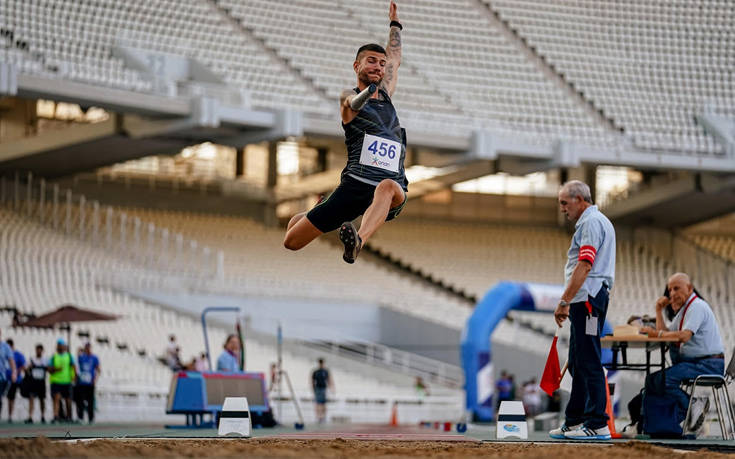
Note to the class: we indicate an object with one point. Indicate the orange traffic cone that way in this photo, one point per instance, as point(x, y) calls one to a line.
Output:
point(609, 411)
point(394, 415)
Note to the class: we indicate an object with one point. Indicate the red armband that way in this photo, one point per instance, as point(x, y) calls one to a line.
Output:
point(587, 253)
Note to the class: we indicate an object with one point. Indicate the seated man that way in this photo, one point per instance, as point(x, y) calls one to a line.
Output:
point(699, 351)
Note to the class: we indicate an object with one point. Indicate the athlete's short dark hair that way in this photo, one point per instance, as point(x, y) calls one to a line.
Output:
point(369, 47)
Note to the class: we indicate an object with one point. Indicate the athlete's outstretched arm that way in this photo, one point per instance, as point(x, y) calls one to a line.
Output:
point(393, 51)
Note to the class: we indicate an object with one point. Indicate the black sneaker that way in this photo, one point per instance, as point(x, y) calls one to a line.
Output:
point(43, 420)
point(29, 421)
point(349, 237)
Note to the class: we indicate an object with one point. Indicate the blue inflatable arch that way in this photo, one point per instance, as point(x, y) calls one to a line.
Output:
point(475, 347)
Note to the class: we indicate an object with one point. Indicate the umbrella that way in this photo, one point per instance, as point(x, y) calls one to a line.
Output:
point(64, 315)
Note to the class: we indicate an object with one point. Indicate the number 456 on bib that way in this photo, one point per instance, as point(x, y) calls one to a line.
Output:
point(380, 152)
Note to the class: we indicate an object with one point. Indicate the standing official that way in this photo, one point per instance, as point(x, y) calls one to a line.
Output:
point(589, 276)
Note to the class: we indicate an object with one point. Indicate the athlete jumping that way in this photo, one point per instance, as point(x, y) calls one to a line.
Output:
point(373, 183)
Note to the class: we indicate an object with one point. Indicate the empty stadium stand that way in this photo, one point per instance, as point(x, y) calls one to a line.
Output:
point(651, 67)
point(539, 81)
point(42, 268)
point(457, 70)
point(79, 42)
point(724, 246)
point(315, 272)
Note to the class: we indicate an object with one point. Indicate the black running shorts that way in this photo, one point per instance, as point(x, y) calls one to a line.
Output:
point(12, 390)
point(37, 388)
point(347, 202)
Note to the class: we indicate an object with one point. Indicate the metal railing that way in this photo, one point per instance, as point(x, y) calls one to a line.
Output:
point(172, 182)
point(430, 370)
point(143, 243)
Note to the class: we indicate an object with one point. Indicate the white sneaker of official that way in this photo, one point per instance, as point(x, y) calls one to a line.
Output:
point(586, 433)
point(511, 421)
point(235, 417)
point(558, 433)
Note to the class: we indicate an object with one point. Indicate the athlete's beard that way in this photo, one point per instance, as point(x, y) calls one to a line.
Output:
point(365, 79)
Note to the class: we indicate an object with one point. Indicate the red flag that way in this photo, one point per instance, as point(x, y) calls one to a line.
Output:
point(551, 378)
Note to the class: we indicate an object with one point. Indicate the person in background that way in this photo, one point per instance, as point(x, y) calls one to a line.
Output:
point(320, 381)
point(422, 390)
point(503, 388)
point(229, 360)
point(20, 363)
point(36, 374)
point(8, 371)
point(61, 370)
point(700, 350)
point(532, 397)
point(273, 383)
point(201, 363)
point(89, 371)
point(172, 353)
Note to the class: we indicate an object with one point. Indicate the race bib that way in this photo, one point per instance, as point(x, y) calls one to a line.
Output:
point(38, 373)
point(85, 377)
point(380, 152)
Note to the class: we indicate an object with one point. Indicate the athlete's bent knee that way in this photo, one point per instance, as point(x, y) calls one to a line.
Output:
point(391, 190)
point(387, 188)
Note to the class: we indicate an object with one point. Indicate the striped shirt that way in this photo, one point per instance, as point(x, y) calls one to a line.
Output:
point(593, 241)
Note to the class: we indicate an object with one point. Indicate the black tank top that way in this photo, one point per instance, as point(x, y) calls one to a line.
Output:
point(375, 135)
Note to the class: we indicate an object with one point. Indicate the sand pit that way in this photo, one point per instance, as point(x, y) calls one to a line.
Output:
point(339, 448)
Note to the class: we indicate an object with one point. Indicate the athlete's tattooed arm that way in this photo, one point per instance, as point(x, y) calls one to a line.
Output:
point(393, 51)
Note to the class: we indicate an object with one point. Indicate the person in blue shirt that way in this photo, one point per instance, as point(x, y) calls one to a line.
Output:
point(229, 360)
point(8, 371)
point(589, 275)
point(20, 363)
point(89, 371)
point(700, 349)
point(503, 388)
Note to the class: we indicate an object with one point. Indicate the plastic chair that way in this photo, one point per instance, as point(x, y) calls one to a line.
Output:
point(719, 385)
